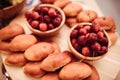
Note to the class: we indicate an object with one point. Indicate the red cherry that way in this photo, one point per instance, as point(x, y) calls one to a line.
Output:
point(95, 27)
point(86, 51)
point(60, 16)
point(82, 40)
point(35, 24)
point(103, 41)
point(74, 41)
point(74, 33)
point(28, 14)
point(82, 31)
point(46, 19)
point(56, 22)
point(44, 10)
point(96, 47)
point(77, 47)
point(35, 15)
point(87, 28)
point(91, 38)
point(50, 26)
point(29, 21)
point(104, 49)
point(37, 8)
point(52, 12)
point(43, 27)
point(100, 35)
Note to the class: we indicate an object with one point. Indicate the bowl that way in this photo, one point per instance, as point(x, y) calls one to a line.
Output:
point(13, 10)
point(83, 46)
point(42, 27)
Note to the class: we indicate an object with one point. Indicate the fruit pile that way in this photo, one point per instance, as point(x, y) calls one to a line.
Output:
point(89, 40)
point(43, 18)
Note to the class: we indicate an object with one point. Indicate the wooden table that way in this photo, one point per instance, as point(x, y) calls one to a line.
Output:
point(108, 67)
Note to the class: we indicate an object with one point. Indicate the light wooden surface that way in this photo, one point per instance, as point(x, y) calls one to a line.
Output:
point(108, 67)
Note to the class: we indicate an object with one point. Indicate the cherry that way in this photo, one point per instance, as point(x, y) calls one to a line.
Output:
point(35, 24)
point(77, 47)
point(35, 15)
point(52, 12)
point(86, 51)
point(44, 10)
point(41, 18)
point(92, 37)
point(74, 41)
point(28, 14)
point(74, 34)
point(29, 21)
point(82, 40)
point(46, 19)
point(43, 27)
point(104, 49)
point(100, 35)
point(56, 22)
point(50, 26)
point(87, 28)
point(95, 27)
point(103, 41)
point(82, 31)
point(60, 16)
point(37, 8)
point(96, 47)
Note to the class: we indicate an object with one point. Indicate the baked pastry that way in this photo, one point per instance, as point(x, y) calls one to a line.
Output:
point(75, 71)
point(4, 46)
point(107, 23)
point(55, 61)
point(50, 76)
point(10, 31)
point(94, 75)
point(39, 51)
point(87, 16)
point(71, 21)
point(22, 42)
point(56, 47)
point(73, 58)
point(48, 1)
point(113, 37)
point(15, 59)
point(72, 9)
point(33, 69)
point(61, 3)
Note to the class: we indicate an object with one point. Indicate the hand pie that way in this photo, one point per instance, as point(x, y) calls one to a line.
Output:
point(10, 31)
point(61, 3)
point(15, 59)
point(50, 76)
point(75, 71)
point(72, 9)
point(55, 61)
point(39, 51)
point(33, 69)
point(22, 42)
point(87, 16)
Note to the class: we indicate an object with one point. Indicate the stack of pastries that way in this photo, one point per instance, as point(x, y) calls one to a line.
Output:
point(41, 59)
point(76, 14)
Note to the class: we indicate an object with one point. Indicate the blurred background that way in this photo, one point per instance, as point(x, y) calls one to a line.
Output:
point(111, 8)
